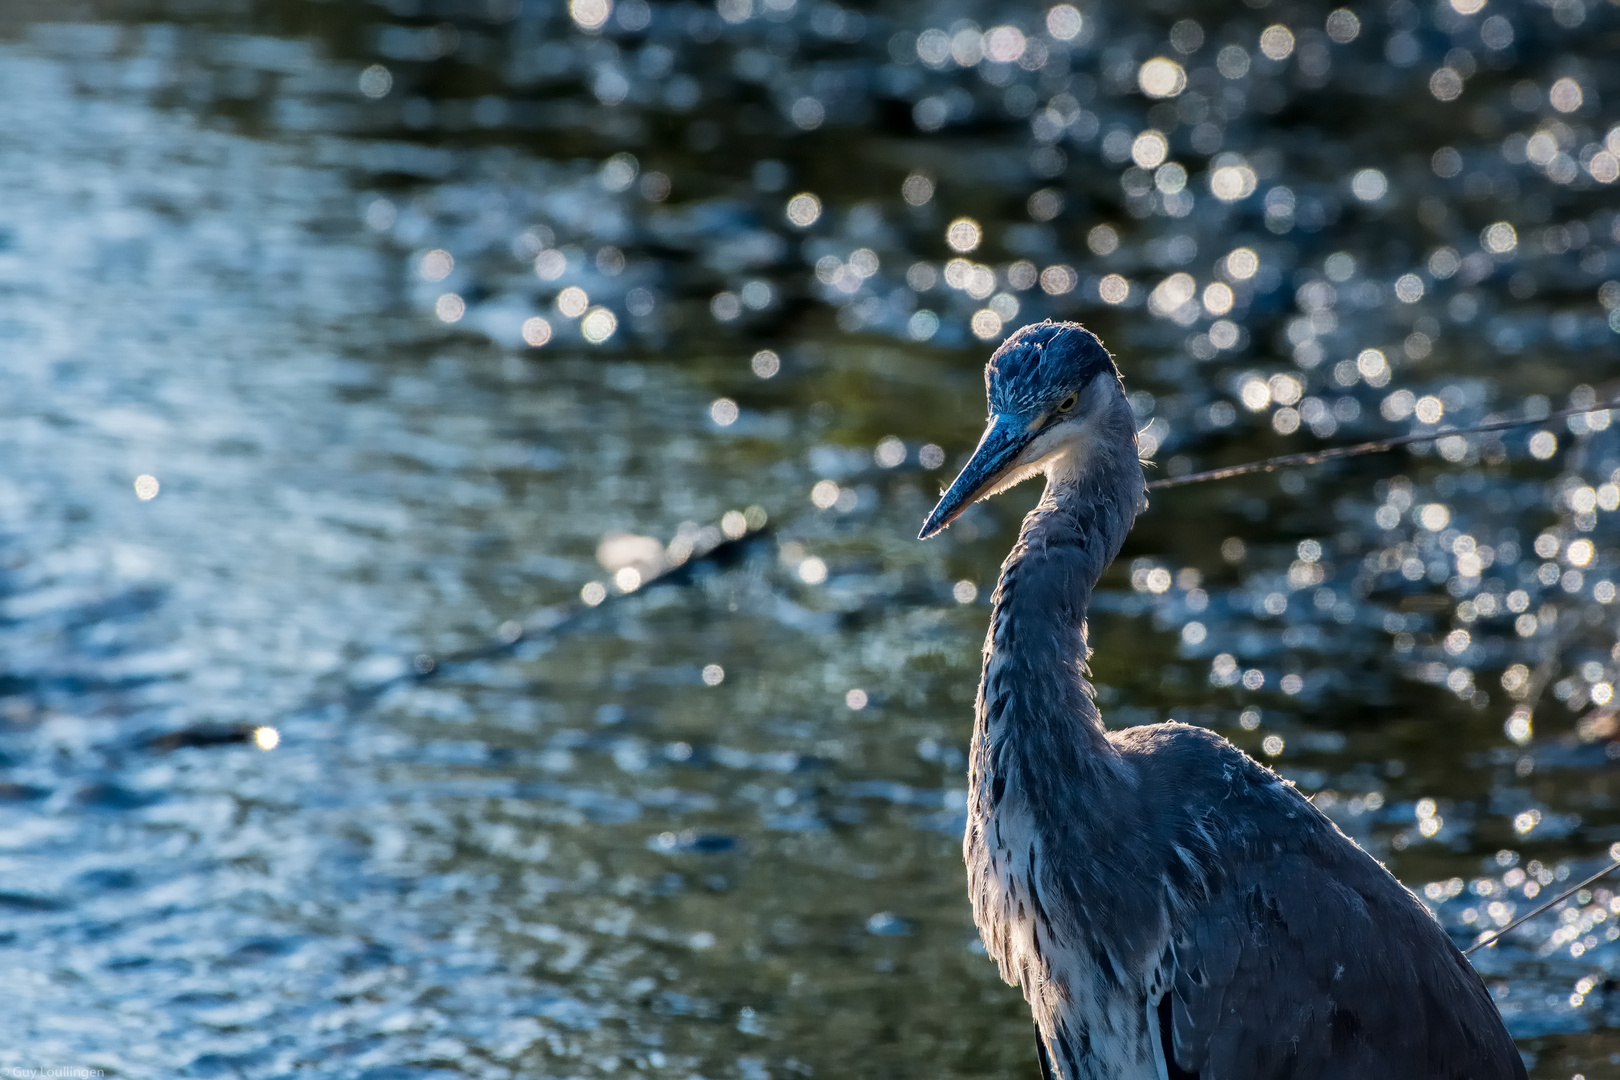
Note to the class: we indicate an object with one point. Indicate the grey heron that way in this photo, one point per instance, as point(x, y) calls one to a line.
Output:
point(1170, 907)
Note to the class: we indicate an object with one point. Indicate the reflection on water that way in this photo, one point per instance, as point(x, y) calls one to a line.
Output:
point(367, 365)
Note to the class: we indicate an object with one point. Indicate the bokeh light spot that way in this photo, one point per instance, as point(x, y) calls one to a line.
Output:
point(598, 325)
point(723, 411)
point(450, 307)
point(1103, 240)
point(1343, 26)
point(1004, 44)
point(917, 189)
point(808, 113)
point(1255, 394)
point(590, 14)
point(1232, 62)
point(1045, 204)
point(536, 331)
point(1064, 22)
point(376, 81)
point(1277, 42)
point(1446, 84)
point(803, 209)
point(549, 265)
point(1057, 280)
point(964, 235)
point(1369, 185)
point(986, 324)
point(1518, 726)
point(436, 265)
point(1242, 264)
point(1229, 183)
point(572, 302)
point(1161, 77)
point(922, 325)
point(618, 172)
point(1149, 149)
point(1171, 294)
point(1499, 238)
point(765, 364)
point(1565, 95)
point(1373, 365)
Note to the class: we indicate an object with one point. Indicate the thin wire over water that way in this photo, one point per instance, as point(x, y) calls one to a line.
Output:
point(1496, 935)
point(1376, 446)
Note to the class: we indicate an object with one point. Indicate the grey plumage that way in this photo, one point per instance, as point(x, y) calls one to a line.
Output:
point(1169, 906)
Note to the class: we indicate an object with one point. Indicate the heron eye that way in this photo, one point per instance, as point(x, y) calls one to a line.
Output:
point(1068, 403)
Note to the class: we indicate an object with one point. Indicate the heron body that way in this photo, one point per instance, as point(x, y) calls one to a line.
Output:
point(1169, 906)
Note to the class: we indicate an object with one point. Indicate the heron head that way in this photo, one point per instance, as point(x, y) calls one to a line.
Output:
point(1046, 385)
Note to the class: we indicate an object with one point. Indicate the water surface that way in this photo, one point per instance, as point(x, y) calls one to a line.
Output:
point(288, 262)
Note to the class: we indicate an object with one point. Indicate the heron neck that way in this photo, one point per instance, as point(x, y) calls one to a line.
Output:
point(1035, 656)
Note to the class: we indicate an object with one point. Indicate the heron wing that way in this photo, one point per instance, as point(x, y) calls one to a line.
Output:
point(1041, 1055)
point(1314, 963)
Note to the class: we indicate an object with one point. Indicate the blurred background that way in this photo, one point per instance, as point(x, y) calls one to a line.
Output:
point(459, 609)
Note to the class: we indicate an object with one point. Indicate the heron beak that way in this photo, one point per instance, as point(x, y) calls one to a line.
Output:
point(999, 447)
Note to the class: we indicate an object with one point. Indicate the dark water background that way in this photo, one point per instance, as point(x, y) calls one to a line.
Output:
point(280, 259)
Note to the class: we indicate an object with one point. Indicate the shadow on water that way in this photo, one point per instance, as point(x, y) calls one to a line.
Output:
point(351, 346)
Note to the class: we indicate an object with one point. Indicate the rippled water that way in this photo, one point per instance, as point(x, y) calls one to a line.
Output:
point(285, 457)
